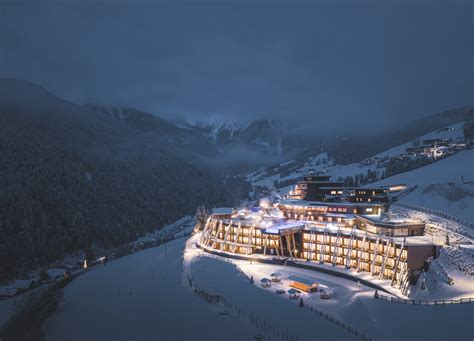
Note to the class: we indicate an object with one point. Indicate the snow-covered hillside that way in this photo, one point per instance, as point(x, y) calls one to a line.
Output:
point(352, 303)
point(454, 132)
point(145, 296)
point(291, 171)
point(439, 185)
point(379, 319)
point(139, 297)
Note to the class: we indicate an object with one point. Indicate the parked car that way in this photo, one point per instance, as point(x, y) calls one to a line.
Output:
point(265, 282)
point(280, 291)
point(325, 294)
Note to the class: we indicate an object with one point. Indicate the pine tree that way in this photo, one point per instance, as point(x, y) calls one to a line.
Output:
point(197, 220)
point(200, 217)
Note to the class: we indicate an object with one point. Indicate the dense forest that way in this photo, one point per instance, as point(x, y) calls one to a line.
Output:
point(72, 179)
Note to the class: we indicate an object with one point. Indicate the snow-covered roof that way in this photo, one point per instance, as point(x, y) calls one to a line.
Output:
point(53, 273)
point(327, 291)
point(293, 291)
point(12, 288)
point(306, 203)
point(378, 220)
point(303, 280)
point(222, 210)
point(336, 215)
point(279, 228)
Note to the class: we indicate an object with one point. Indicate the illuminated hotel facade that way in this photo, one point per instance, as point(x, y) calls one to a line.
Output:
point(324, 222)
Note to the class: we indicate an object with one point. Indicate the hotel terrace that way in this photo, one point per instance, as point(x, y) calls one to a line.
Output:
point(324, 222)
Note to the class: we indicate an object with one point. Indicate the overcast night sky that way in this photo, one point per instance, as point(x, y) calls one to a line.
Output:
point(346, 60)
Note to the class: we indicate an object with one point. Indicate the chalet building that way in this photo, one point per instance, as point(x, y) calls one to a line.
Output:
point(352, 231)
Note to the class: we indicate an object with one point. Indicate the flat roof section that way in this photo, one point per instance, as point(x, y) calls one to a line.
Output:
point(285, 228)
point(305, 203)
point(222, 210)
point(377, 221)
point(302, 280)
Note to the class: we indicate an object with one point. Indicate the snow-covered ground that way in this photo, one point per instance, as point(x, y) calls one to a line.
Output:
point(356, 306)
point(7, 308)
point(138, 297)
point(439, 185)
point(176, 229)
point(146, 296)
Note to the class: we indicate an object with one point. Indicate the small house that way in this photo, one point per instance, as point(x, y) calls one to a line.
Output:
point(302, 283)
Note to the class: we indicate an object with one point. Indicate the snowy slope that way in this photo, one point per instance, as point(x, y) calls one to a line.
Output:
point(139, 297)
point(143, 297)
point(356, 306)
point(440, 186)
point(454, 132)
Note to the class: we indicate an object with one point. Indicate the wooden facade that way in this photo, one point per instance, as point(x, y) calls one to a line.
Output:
point(384, 257)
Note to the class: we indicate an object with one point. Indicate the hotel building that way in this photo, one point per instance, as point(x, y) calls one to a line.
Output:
point(324, 222)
